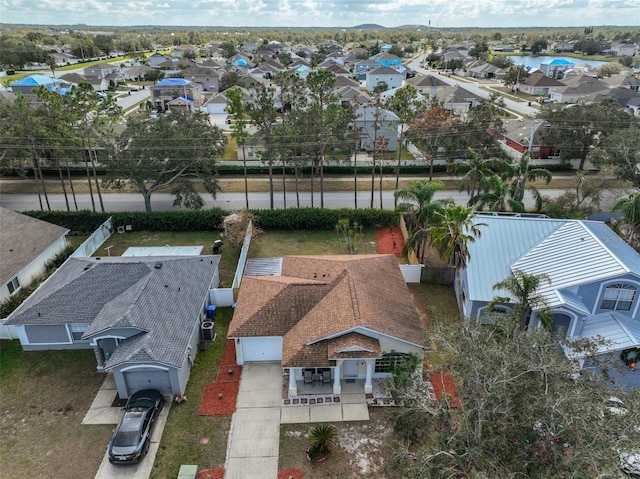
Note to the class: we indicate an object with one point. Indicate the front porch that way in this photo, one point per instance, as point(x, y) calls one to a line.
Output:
point(329, 380)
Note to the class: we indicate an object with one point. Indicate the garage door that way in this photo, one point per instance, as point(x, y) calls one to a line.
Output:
point(262, 349)
point(147, 379)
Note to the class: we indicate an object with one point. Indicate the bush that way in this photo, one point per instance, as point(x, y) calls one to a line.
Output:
point(321, 218)
point(189, 220)
point(79, 222)
point(60, 258)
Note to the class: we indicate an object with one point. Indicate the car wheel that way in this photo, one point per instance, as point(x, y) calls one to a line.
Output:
point(147, 444)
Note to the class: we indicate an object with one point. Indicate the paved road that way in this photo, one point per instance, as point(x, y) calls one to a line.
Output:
point(521, 108)
point(235, 201)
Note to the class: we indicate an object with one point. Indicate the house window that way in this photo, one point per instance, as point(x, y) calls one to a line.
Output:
point(13, 285)
point(77, 330)
point(390, 361)
point(618, 297)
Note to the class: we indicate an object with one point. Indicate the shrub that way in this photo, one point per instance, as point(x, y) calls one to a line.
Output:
point(79, 222)
point(188, 220)
point(321, 219)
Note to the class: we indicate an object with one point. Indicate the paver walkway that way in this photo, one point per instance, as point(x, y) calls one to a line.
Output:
point(254, 438)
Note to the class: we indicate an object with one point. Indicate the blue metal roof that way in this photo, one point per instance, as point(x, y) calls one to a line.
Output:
point(559, 61)
point(173, 82)
point(35, 80)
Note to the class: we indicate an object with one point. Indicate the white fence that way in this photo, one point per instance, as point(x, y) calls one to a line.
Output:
point(93, 242)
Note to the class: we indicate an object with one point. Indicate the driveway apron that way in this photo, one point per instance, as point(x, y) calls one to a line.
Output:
point(254, 438)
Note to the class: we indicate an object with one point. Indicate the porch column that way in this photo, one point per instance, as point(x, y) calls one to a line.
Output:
point(293, 385)
point(368, 384)
point(337, 373)
point(98, 353)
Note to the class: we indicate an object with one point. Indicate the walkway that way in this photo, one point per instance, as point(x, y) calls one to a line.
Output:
point(254, 437)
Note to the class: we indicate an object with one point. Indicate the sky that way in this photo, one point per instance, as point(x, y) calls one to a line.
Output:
point(324, 13)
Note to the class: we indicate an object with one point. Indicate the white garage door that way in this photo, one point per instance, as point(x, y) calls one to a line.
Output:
point(147, 379)
point(262, 349)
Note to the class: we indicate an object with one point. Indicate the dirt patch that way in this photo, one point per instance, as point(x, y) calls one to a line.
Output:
point(359, 452)
point(219, 398)
point(291, 474)
point(389, 241)
point(217, 473)
point(443, 384)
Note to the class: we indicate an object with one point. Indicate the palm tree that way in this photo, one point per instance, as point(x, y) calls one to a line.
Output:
point(322, 438)
point(629, 224)
point(477, 178)
point(521, 173)
point(523, 288)
point(455, 230)
point(498, 197)
point(417, 202)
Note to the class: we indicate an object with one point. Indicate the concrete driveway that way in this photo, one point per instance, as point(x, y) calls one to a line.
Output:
point(254, 437)
point(101, 412)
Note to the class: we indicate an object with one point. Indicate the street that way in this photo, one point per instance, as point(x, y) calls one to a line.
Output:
point(236, 201)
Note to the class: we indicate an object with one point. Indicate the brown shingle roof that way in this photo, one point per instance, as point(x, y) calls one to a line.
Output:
point(364, 347)
point(320, 298)
point(23, 239)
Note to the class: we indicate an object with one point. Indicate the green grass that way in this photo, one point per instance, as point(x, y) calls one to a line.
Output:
point(185, 428)
point(279, 243)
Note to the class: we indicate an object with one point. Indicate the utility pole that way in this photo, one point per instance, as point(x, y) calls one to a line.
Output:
point(533, 130)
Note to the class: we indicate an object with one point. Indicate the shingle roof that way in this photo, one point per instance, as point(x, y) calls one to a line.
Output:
point(22, 240)
point(164, 303)
point(320, 298)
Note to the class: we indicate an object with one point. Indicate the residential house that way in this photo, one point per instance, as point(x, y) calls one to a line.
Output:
point(538, 84)
point(26, 245)
point(206, 77)
point(362, 67)
point(101, 70)
point(351, 96)
point(624, 49)
point(157, 59)
point(594, 275)
point(505, 48)
point(457, 99)
point(142, 316)
point(579, 87)
point(338, 70)
point(136, 73)
point(323, 316)
point(387, 59)
point(562, 47)
point(556, 68)
point(427, 84)
point(26, 85)
point(623, 80)
point(342, 81)
point(385, 136)
point(482, 69)
point(517, 134)
point(166, 91)
point(240, 60)
point(381, 75)
point(182, 51)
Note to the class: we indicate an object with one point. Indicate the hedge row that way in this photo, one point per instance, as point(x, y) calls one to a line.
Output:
point(341, 170)
point(321, 219)
point(85, 222)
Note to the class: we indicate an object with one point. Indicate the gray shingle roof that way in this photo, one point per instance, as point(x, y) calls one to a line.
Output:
point(119, 292)
point(23, 239)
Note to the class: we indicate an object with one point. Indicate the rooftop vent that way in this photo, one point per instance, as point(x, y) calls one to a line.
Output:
point(157, 265)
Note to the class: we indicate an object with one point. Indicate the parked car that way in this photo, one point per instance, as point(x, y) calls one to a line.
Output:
point(132, 438)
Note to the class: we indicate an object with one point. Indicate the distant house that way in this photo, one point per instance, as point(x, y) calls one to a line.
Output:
point(386, 135)
point(562, 47)
point(457, 99)
point(482, 69)
point(624, 49)
point(580, 87)
point(387, 59)
point(206, 77)
point(362, 67)
point(391, 77)
point(26, 85)
point(516, 136)
point(556, 67)
point(538, 84)
point(101, 70)
point(165, 93)
point(26, 245)
point(156, 59)
point(503, 48)
point(594, 275)
point(427, 84)
point(142, 316)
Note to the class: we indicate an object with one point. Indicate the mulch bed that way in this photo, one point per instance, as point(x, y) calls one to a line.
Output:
point(389, 241)
point(226, 384)
point(291, 474)
point(443, 384)
point(217, 473)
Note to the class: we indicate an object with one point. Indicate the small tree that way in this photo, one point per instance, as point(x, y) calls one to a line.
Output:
point(350, 234)
point(235, 227)
point(323, 438)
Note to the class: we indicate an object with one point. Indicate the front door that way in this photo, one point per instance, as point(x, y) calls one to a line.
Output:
point(350, 369)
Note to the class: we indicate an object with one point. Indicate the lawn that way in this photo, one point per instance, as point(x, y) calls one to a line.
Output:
point(44, 397)
point(279, 243)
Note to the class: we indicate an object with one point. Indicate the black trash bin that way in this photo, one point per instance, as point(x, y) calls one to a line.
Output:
point(217, 247)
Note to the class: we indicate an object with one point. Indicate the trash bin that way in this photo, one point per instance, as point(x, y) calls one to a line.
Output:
point(211, 311)
point(217, 247)
point(207, 331)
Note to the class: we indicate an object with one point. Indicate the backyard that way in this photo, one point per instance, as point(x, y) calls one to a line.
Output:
point(46, 394)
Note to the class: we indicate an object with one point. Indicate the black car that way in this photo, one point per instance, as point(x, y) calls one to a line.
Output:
point(131, 441)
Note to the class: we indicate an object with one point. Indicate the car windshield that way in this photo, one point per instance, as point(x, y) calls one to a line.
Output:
point(131, 421)
point(142, 403)
point(125, 439)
